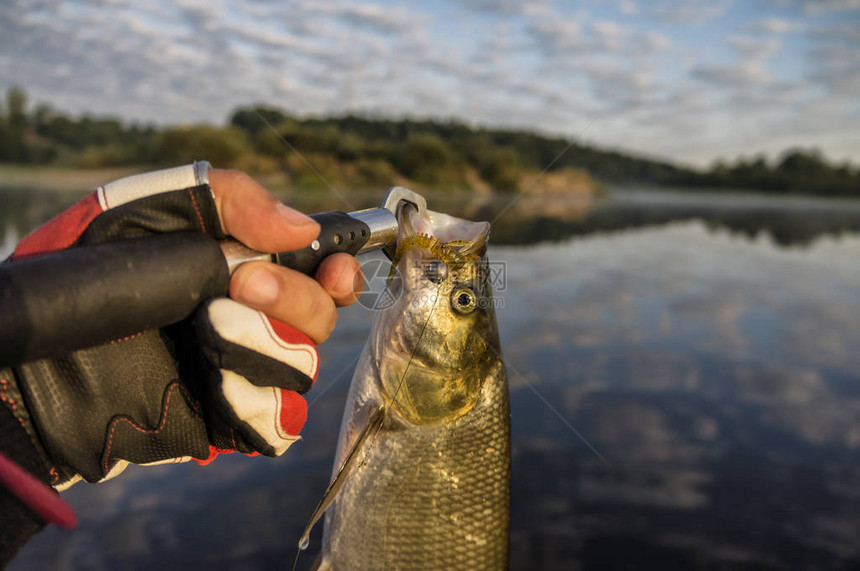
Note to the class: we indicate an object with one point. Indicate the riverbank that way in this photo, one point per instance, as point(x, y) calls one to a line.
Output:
point(50, 178)
point(570, 182)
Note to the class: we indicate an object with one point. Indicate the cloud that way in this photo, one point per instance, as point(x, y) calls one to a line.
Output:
point(838, 69)
point(749, 70)
point(694, 12)
point(835, 65)
point(188, 53)
point(777, 26)
point(375, 17)
point(559, 35)
point(821, 6)
point(628, 7)
point(842, 32)
point(602, 61)
point(509, 7)
point(538, 66)
point(579, 36)
point(751, 48)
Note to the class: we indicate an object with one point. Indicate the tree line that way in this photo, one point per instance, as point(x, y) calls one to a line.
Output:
point(371, 152)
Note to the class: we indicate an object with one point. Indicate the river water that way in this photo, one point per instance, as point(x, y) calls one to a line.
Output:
point(685, 386)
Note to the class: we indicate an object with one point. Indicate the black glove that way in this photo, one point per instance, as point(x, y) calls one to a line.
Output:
point(229, 379)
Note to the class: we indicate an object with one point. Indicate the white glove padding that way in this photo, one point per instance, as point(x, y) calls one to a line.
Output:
point(259, 368)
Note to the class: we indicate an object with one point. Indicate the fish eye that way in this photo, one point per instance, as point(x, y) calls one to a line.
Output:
point(436, 271)
point(463, 300)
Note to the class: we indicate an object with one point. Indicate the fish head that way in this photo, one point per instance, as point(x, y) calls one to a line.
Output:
point(437, 343)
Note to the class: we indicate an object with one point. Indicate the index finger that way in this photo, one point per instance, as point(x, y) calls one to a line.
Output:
point(253, 216)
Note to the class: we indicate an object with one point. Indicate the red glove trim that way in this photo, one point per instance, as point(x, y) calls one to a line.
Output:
point(214, 452)
point(293, 336)
point(61, 231)
point(294, 412)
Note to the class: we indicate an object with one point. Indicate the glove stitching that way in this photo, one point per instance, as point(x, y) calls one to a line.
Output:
point(285, 345)
point(10, 402)
point(162, 422)
point(276, 418)
point(127, 338)
point(197, 209)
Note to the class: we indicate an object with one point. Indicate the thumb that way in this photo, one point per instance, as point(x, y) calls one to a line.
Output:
point(256, 218)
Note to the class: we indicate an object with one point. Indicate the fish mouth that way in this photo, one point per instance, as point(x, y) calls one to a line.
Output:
point(440, 236)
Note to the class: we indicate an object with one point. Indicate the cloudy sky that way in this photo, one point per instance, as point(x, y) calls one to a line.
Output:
point(686, 80)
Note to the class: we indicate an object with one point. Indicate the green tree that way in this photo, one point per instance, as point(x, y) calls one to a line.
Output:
point(499, 166)
point(42, 116)
point(12, 135)
point(803, 162)
point(423, 158)
point(16, 103)
point(256, 119)
point(222, 147)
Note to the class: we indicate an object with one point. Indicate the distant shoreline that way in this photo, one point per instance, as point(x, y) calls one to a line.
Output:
point(65, 179)
point(49, 178)
point(569, 182)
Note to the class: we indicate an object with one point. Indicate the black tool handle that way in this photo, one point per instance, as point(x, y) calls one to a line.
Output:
point(60, 302)
point(57, 303)
point(339, 232)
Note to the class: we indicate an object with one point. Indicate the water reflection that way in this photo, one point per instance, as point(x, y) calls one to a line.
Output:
point(714, 369)
point(691, 362)
point(528, 219)
point(789, 222)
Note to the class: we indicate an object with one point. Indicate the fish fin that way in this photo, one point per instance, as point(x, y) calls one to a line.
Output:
point(352, 461)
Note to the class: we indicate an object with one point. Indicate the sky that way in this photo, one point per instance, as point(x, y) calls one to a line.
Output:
point(689, 81)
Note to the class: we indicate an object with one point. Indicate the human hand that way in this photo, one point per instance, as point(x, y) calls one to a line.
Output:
point(229, 379)
point(255, 218)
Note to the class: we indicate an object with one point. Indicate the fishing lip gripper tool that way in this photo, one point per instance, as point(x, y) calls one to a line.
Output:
point(353, 233)
point(56, 303)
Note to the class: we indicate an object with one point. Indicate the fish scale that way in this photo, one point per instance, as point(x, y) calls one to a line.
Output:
point(434, 499)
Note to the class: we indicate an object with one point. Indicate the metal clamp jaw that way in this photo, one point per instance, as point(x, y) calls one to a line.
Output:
point(383, 221)
point(398, 195)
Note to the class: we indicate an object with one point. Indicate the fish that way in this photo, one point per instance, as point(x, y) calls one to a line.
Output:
point(421, 476)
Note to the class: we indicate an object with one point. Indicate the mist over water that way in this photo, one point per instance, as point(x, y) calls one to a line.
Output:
point(705, 346)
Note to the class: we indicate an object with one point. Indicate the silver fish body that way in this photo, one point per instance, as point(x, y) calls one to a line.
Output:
point(433, 489)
